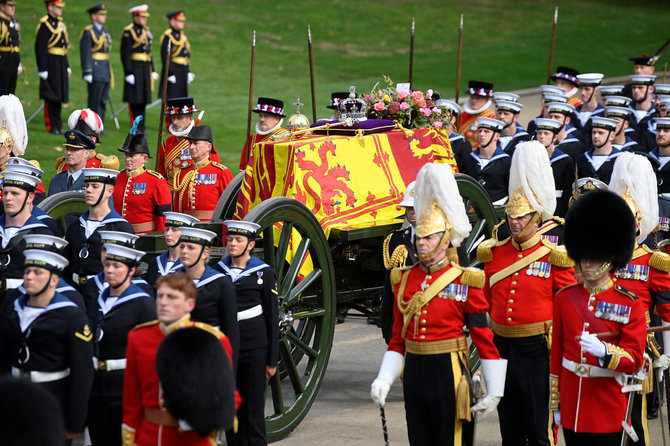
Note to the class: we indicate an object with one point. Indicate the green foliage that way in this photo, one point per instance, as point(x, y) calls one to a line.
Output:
point(354, 44)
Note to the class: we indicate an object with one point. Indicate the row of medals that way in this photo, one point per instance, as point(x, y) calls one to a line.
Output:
point(539, 269)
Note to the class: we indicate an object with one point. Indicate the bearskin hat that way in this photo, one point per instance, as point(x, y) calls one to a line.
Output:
point(600, 226)
point(197, 380)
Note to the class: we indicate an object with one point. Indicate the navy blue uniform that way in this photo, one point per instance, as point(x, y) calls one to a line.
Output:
point(159, 267)
point(12, 247)
point(586, 166)
point(563, 167)
point(494, 177)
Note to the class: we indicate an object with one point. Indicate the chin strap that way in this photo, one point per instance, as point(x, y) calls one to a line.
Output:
point(488, 143)
point(123, 281)
point(23, 206)
point(100, 197)
point(244, 251)
point(531, 222)
point(202, 250)
point(443, 240)
point(597, 273)
point(607, 139)
point(591, 97)
point(646, 94)
point(45, 286)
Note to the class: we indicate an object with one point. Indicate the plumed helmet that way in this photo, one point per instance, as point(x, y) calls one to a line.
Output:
point(13, 128)
point(600, 226)
point(531, 182)
point(197, 380)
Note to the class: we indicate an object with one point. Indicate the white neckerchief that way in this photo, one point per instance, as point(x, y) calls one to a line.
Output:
point(91, 226)
point(234, 272)
point(260, 132)
point(28, 316)
point(663, 160)
point(471, 111)
point(8, 233)
point(598, 160)
point(183, 132)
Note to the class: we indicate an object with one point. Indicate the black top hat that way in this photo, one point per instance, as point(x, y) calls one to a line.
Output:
point(201, 133)
point(197, 379)
point(136, 143)
point(99, 8)
point(645, 60)
point(86, 130)
point(273, 106)
point(567, 73)
point(180, 106)
point(335, 99)
point(76, 139)
point(600, 226)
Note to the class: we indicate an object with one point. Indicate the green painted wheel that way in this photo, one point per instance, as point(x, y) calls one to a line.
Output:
point(64, 203)
point(480, 211)
point(306, 308)
point(225, 207)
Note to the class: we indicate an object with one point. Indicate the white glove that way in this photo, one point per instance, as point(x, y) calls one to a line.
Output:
point(130, 79)
point(88, 78)
point(389, 371)
point(378, 391)
point(69, 71)
point(190, 77)
point(557, 418)
point(592, 345)
point(662, 363)
point(19, 71)
point(154, 75)
point(485, 406)
point(43, 75)
point(172, 79)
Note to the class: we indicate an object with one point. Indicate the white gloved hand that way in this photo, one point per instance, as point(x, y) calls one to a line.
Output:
point(69, 71)
point(88, 78)
point(378, 391)
point(44, 75)
point(190, 77)
point(172, 79)
point(557, 418)
point(485, 406)
point(662, 363)
point(130, 79)
point(154, 75)
point(592, 345)
point(19, 70)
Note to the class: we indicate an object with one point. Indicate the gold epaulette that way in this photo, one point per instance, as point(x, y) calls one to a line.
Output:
point(625, 292)
point(35, 163)
point(485, 248)
point(60, 162)
point(108, 162)
point(396, 274)
point(559, 255)
point(660, 261)
point(86, 28)
point(472, 277)
point(154, 173)
point(208, 328)
point(494, 232)
point(397, 257)
point(219, 165)
point(559, 220)
point(146, 324)
point(129, 27)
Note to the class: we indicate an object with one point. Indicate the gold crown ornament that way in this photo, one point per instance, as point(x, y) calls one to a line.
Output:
point(518, 205)
point(628, 198)
point(6, 138)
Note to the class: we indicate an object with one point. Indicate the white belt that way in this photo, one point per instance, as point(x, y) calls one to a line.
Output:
point(12, 284)
point(76, 278)
point(590, 371)
point(665, 195)
point(40, 377)
point(249, 313)
point(559, 193)
point(501, 201)
point(109, 364)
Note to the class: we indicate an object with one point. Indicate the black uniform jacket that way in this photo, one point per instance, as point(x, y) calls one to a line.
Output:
point(12, 246)
point(111, 320)
point(136, 59)
point(180, 55)
point(563, 167)
point(57, 340)
point(586, 167)
point(9, 53)
point(461, 148)
point(92, 288)
point(159, 267)
point(94, 47)
point(51, 45)
point(494, 177)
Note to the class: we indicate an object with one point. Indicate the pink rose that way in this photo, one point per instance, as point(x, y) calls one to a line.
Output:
point(422, 103)
point(417, 95)
point(437, 124)
point(425, 111)
point(404, 106)
point(437, 111)
point(402, 95)
point(379, 106)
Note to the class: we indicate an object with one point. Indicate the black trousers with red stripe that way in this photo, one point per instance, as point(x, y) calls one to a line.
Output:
point(135, 110)
point(52, 116)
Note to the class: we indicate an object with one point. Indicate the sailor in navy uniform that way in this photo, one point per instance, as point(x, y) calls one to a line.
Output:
point(661, 153)
point(84, 237)
point(257, 315)
point(119, 308)
point(489, 164)
point(512, 132)
point(643, 109)
point(46, 339)
point(548, 93)
point(590, 107)
point(621, 140)
point(215, 304)
point(169, 261)
point(598, 161)
point(562, 165)
point(97, 284)
point(17, 221)
point(459, 144)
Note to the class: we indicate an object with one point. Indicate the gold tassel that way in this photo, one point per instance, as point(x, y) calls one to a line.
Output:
point(396, 275)
point(385, 252)
point(360, 136)
point(463, 401)
point(559, 257)
point(494, 233)
point(660, 260)
point(473, 277)
point(485, 251)
point(60, 162)
point(408, 133)
point(452, 255)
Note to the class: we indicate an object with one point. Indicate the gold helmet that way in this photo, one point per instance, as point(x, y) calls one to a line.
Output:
point(14, 132)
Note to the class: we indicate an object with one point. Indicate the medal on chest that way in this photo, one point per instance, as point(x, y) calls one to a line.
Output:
point(664, 223)
point(456, 292)
point(633, 272)
point(613, 312)
point(206, 178)
point(539, 269)
point(185, 154)
point(550, 238)
point(139, 188)
point(260, 277)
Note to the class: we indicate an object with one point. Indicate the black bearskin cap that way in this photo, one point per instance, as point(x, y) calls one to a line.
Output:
point(600, 226)
point(197, 380)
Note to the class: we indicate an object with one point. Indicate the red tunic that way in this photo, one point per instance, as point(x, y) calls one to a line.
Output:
point(255, 138)
point(174, 156)
point(199, 188)
point(445, 315)
point(467, 125)
point(141, 388)
point(524, 296)
point(139, 197)
point(595, 404)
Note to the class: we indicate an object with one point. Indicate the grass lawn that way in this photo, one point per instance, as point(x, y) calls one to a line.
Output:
point(355, 43)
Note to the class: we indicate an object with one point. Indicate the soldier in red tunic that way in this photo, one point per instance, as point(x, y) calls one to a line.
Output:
point(198, 188)
point(587, 371)
point(141, 195)
point(522, 274)
point(146, 421)
point(435, 299)
point(270, 113)
point(477, 106)
point(174, 154)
